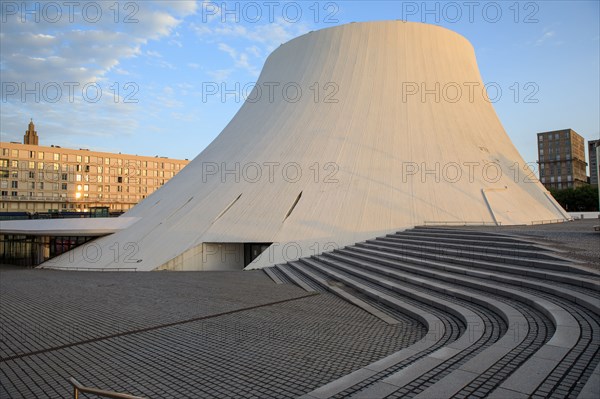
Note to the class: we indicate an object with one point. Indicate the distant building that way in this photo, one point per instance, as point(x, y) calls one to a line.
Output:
point(561, 159)
point(31, 136)
point(592, 145)
point(36, 178)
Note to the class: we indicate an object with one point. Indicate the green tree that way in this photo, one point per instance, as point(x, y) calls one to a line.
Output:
point(580, 199)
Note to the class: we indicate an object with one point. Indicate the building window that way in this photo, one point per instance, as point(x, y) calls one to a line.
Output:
point(31, 154)
point(78, 158)
point(77, 177)
point(56, 157)
point(40, 155)
point(4, 163)
point(14, 164)
point(32, 185)
point(14, 184)
point(40, 165)
point(13, 193)
point(41, 185)
point(15, 153)
point(64, 186)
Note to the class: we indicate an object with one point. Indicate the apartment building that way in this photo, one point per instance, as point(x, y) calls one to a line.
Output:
point(35, 178)
point(561, 159)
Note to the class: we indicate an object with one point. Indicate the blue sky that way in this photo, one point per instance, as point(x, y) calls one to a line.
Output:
point(152, 59)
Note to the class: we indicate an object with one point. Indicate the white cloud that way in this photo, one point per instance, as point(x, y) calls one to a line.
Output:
point(546, 37)
point(79, 53)
point(260, 39)
point(220, 75)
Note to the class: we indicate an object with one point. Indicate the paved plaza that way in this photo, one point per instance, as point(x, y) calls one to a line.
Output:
point(181, 334)
point(428, 313)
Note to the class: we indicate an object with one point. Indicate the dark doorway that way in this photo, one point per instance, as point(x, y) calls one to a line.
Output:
point(253, 250)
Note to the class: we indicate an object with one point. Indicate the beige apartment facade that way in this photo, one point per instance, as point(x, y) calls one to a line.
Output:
point(561, 159)
point(35, 178)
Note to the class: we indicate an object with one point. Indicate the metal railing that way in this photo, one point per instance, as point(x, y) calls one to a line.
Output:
point(549, 221)
point(77, 388)
point(459, 223)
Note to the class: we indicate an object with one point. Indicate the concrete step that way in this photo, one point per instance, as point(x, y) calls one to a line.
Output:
point(541, 364)
point(329, 285)
point(436, 331)
point(411, 235)
point(516, 332)
point(468, 247)
point(480, 268)
point(475, 254)
point(469, 234)
point(477, 267)
point(489, 262)
point(272, 275)
point(285, 269)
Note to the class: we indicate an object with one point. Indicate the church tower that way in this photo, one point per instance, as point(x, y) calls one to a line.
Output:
point(31, 136)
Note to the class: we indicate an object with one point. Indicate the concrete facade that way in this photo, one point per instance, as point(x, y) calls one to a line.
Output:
point(561, 159)
point(36, 178)
point(378, 141)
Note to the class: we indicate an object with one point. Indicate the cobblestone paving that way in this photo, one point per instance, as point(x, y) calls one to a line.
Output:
point(279, 350)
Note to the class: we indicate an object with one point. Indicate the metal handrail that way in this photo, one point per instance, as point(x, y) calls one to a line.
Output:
point(550, 221)
point(77, 388)
point(459, 223)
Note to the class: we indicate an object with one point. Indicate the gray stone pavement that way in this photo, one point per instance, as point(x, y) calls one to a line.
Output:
point(182, 334)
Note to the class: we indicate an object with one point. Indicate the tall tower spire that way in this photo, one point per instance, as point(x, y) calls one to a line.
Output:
point(31, 136)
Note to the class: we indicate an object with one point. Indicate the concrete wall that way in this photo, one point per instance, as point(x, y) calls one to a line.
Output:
point(366, 155)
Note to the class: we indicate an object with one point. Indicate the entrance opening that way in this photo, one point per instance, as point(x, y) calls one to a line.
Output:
point(253, 250)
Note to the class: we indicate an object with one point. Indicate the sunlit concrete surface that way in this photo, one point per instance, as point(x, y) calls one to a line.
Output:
point(362, 152)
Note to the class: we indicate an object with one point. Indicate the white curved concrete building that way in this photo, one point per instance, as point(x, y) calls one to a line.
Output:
point(391, 130)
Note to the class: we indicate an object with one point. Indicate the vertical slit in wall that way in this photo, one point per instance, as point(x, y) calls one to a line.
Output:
point(293, 206)
point(227, 208)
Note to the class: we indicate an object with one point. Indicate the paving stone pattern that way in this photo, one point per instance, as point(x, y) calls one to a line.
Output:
point(280, 350)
